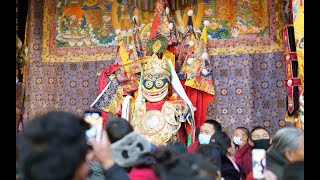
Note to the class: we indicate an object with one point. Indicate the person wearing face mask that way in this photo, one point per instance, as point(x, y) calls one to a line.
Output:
point(260, 138)
point(229, 169)
point(243, 155)
point(287, 147)
point(208, 128)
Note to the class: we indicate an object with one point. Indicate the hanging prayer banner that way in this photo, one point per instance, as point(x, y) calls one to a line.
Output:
point(77, 31)
point(84, 30)
point(298, 21)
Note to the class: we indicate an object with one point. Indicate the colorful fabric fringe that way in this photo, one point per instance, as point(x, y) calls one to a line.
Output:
point(149, 5)
point(110, 99)
point(195, 71)
point(177, 4)
point(102, 83)
point(161, 21)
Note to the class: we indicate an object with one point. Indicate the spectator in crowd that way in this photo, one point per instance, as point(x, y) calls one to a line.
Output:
point(229, 169)
point(143, 168)
point(117, 128)
point(294, 171)
point(212, 152)
point(54, 146)
point(127, 145)
point(261, 138)
point(208, 128)
point(243, 153)
point(287, 147)
point(150, 163)
point(187, 167)
point(177, 148)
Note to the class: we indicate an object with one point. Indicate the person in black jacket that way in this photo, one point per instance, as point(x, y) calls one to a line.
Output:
point(287, 147)
point(126, 147)
point(228, 171)
point(294, 171)
point(212, 152)
point(54, 146)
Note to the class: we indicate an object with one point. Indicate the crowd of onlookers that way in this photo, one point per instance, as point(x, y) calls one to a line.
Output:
point(54, 146)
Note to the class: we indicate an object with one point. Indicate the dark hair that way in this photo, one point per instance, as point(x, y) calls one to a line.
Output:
point(216, 125)
point(161, 155)
point(145, 160)
point(294, 171)
point(244, 130)
point(177, 148)
point(187, 167)
point(212, 152)
point(257, 128)
point(117, 128)
point(223, 140)
point(53, 146)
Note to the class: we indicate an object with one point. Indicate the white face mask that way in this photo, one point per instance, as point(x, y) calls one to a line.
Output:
point(237, 140)
point(204, 139)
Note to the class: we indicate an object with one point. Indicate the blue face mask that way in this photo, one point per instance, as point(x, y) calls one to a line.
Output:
point(204, 139)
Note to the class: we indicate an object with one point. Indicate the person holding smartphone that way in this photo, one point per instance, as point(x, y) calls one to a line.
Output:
point(94, 118)
point(54, 146)
point(261, 139)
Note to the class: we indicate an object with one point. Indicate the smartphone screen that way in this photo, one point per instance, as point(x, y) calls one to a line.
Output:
point(258, 163)
point(95, 120)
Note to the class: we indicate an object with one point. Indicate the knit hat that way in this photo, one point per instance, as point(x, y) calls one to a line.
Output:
point(127, 150)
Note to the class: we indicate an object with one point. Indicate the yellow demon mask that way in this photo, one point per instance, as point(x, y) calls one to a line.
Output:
point(155, 79)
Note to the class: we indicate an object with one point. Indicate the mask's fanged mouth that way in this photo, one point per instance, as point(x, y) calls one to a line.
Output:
point(155, 95)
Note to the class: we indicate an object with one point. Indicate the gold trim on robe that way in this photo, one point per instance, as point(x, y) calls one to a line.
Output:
point(157, 126)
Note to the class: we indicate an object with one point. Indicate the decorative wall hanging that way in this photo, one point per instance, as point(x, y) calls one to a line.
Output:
point(78, 31)
point(298, 21)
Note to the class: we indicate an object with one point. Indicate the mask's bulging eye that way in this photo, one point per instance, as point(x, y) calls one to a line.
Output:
point(159, 83)
point(148, 84)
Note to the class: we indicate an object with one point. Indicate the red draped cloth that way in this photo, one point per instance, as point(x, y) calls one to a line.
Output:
point(200, 100)
point(154, 105)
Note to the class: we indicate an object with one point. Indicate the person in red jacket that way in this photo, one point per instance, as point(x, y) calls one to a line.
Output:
point(208, 128)
point(243, 155)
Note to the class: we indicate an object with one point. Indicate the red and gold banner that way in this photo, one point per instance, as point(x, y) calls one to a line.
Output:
point(298, 21)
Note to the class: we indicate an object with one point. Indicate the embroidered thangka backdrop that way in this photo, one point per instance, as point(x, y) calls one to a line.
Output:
point(56, 86)
point(246, 57)
point(249, 75)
